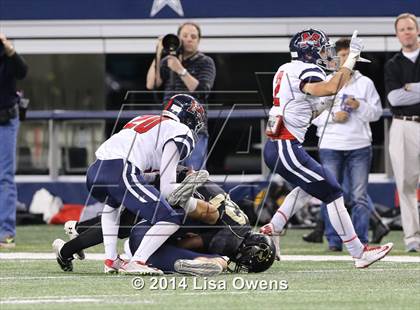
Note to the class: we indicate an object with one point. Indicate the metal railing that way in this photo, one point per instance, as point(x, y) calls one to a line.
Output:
point(54, 117)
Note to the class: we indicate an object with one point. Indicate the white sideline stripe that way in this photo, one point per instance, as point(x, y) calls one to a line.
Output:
point(102, 277)
point(49, 301)
point(65, 299)
point(291, 258)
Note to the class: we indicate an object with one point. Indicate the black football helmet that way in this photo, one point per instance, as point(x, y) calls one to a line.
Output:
point(314, 46)
point(187, 110)
point(256, 253)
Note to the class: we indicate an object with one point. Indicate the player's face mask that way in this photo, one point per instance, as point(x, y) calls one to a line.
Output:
point(328, 58)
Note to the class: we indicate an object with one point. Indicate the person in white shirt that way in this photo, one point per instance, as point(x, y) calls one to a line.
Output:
point(345, 145)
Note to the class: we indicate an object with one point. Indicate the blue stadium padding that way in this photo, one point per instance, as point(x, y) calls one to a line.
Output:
point(76, 193)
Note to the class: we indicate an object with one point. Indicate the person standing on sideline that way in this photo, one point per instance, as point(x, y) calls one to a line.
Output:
point(345, 146)
point(402, 85)
point(12, 68)
point(188, 71)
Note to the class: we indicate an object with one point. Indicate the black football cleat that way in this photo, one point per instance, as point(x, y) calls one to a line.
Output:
point(379, 232)
point(65, 264)
point(314, 237)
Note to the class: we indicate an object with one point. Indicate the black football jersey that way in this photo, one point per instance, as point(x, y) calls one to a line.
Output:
point(226, 235)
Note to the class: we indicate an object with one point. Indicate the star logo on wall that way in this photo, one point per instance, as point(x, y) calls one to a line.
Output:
point(160, 4)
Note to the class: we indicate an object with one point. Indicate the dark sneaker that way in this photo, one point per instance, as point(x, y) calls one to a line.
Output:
point(377, 234)
point(335, 249)
point(313, 237)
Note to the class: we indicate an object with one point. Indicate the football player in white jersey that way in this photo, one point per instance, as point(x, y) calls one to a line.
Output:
point(119, 178)
point(300, 92)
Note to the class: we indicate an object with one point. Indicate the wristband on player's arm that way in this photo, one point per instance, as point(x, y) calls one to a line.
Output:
point(351, 61)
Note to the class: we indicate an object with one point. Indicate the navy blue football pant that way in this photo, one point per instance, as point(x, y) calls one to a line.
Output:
point(166, 256)
point(289, 159)
point(115, 183)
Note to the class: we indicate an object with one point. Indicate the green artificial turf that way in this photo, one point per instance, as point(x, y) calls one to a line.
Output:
point(40, 284)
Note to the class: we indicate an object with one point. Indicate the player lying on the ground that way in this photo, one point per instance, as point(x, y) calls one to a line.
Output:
point(297, 90)
point(224, 230)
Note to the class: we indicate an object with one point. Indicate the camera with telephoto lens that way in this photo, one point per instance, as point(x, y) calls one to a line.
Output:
point(171, 45)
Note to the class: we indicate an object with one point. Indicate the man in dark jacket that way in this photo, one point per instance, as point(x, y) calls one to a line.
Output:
point(12, 68)
point(402, 83)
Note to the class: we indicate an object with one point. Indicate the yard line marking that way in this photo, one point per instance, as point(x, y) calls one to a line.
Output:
point(49, 301)
point(72, 296)
point(347, 270)
point(79, 276)
point(296, 258)
point(54, 300)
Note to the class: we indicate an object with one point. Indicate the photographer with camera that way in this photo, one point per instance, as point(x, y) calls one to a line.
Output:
point(12, 68)
point(179, 67)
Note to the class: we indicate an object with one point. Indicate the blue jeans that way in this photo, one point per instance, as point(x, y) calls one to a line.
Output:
point(351, 169)
point(8, 193)
point(197, 158)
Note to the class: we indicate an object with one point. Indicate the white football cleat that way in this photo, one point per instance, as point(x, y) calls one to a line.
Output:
point(139, 268)
point(372, 254)
point(196, 267)
point(70, 230)
point(187, 187)
point(112, 266)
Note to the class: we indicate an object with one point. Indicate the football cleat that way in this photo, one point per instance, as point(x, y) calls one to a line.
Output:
point(139, 268)
point(70, 230)
point(372, 254)
point(65, 264)
point(314, 237)
point(112, 266)
point(187, 188)
point(196, 267)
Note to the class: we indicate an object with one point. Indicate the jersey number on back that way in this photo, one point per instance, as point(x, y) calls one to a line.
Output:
point(142, 124)
point(276, 90)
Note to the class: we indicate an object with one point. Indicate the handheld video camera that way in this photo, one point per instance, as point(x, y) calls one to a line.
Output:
point(172, 45)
